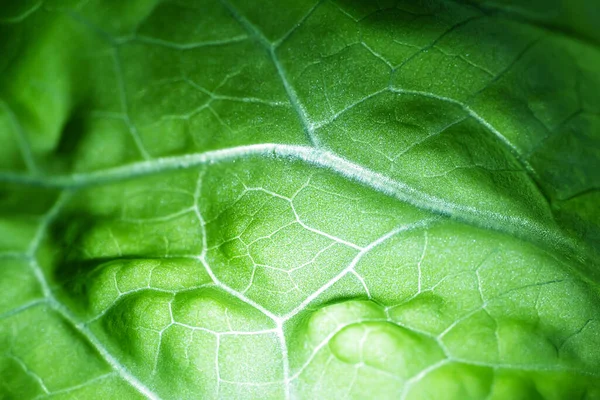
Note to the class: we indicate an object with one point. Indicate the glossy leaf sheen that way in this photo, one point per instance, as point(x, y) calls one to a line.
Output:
point(300, 199)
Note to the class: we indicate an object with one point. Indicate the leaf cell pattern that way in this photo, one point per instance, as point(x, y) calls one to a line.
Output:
point(327, 199)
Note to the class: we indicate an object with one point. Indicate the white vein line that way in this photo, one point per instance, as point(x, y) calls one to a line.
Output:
point(282, 39)
point(421, 375)
point(513, 149)
point(65, 313)
point(526, 367)
point(325, 341)
point(137, 38)
point(13, 255)
point(22, 17)
point(203, 259)
point(106, 356)
point(125, 105)
point(37, 239)
point(315, 351)
point(458, 321)
point(363, 283)
point(317, 157)
point(327, 235)
point(298, 220)
point(335, 116)
point(298, 107)
point(254, 100)
point(164, 218)
point(231, 332)
point(249, 383)
point(217, 364)
point(377, 55)
point(425, 242)
point(21, 138)
point(352, 264)
point(29, 372)
point(313, 259)
point(81, 385)
point(22, 308)
point(285, 359)
point(271, 50)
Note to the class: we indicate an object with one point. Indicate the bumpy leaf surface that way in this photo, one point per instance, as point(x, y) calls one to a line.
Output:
point(301, 199)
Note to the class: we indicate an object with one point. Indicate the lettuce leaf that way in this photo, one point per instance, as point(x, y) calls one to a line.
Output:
point(299, 199)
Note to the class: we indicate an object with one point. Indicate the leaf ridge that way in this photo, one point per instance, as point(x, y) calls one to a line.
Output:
point(270, 48)
point(312, 156)
point(65, 313)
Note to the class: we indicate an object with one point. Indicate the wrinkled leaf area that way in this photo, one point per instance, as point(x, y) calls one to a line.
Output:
point(307, 200)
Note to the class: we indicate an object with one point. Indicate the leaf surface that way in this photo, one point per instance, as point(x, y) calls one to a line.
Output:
point(308, 199)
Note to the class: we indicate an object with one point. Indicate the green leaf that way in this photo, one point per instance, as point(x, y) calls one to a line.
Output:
point(300, 199)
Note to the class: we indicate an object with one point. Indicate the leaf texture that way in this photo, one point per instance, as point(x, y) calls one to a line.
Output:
point(299, 199)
